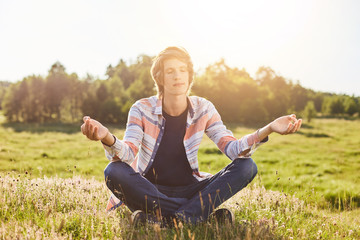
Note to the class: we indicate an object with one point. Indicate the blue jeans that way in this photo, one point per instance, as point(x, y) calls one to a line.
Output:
point(193, 203)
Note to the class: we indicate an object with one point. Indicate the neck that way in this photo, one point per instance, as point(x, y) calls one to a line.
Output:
point(174, 105)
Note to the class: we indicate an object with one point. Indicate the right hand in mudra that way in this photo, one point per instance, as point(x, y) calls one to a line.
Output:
point(93, 129)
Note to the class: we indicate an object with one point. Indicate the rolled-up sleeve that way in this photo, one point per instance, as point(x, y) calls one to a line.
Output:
point(125, 150)
point(225, 140)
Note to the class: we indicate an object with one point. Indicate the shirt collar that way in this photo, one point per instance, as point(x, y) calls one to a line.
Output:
point(158, 108)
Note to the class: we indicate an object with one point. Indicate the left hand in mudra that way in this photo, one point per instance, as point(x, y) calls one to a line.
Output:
point(286, 124)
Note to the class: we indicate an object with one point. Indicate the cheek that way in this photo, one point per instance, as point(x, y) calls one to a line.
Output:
point(185, 75)
point(165, 80)
point(188, 79)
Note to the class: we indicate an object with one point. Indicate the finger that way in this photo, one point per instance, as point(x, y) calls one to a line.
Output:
point(288, 128)
point(86, 118)
point(296, 124)
point(83, 128)
point(95, 135)
point(292, 128)
point(299, 125)
point(87, 128)
point(293, 118)
point(92, 131)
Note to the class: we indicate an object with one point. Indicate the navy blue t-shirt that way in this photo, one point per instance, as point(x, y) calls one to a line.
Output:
point(171, 166)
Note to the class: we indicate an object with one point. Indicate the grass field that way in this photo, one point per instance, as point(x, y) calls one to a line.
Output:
point(307, 186)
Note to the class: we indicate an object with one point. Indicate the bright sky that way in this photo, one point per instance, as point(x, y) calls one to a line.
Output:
point(314, 41)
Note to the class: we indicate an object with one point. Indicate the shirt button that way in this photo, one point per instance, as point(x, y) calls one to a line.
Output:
point(158, 144)
point(151, 160)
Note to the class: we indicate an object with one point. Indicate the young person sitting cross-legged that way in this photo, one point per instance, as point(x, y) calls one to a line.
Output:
point(154, 170)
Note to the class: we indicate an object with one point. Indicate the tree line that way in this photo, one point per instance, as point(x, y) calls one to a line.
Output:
point(63, 97)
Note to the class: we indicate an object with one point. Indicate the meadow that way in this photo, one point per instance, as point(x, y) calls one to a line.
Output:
point(307, 186)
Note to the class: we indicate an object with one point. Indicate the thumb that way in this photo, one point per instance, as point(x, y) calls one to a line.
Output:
point(292, 117)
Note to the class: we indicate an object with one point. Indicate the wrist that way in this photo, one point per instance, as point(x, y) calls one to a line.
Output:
point(269, 128)
point(109, 139)
point(262, 133)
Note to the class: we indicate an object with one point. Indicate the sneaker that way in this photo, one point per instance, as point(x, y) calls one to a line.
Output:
point(138, 218)
point(223, 215)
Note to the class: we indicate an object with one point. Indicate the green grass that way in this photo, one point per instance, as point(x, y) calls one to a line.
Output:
point(51, 150)
point(307, 186)
point(321, 163)
point(57, 208)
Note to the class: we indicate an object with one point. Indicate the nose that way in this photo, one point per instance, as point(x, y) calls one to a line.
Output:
point(176, 75)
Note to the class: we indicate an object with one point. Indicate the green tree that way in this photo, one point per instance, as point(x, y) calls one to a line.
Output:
point(233, 92)
point(102, 92)
point(299, 97)
point(70, 106)
point(310, 111)
point(142, 86)
point(277, 97)
point(351, 106)
point(333, 105)
point(56, 88)
point(12, 103)
point(317, 98)
point(33, 103)
point(4, 86)
point(337, 105)
point(122, 71)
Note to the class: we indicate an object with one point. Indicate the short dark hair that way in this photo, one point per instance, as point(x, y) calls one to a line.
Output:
point(157, 68)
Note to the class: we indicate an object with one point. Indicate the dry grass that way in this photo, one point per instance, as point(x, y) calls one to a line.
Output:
point(73, 208)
